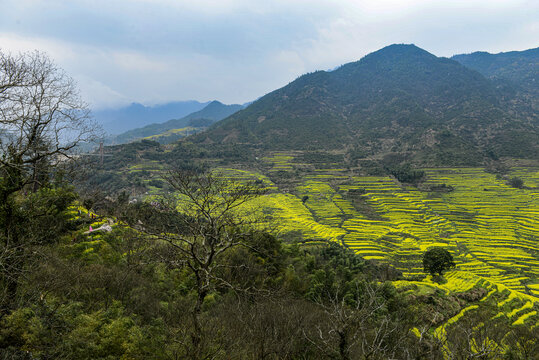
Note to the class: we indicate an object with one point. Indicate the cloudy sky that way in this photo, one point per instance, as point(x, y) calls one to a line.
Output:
point(155, 51)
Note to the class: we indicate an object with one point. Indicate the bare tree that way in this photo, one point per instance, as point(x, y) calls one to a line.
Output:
point(357, 324)
point(478, 335)
point(42, 117)
point(42, 120)
point(200, 226)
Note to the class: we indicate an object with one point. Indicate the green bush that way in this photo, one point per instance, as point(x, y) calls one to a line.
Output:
point(436, 260)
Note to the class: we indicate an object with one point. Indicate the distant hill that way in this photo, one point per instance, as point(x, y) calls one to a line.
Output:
point(398, 100)
point(116, 121)
point(520, 68)
point(171, 130)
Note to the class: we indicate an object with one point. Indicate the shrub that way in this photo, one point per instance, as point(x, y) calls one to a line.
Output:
point(516, 182)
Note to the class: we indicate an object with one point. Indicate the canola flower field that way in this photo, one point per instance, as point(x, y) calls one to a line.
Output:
point(490, 228)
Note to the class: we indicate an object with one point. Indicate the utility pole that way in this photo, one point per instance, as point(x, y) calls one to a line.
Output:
point(101, 151)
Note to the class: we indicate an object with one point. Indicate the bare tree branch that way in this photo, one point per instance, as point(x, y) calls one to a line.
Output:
point(201, 225)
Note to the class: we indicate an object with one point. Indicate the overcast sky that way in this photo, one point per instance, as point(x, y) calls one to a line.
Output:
point(155, 51)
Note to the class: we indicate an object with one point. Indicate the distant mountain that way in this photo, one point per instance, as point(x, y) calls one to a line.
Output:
point(400, 99)
point(212, 112)
point(520, 68)
point(116, 121)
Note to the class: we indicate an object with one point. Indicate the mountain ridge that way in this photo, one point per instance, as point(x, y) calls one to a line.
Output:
point(392, 100)
point(212, 112)
point(517, 69)
point(116, 121)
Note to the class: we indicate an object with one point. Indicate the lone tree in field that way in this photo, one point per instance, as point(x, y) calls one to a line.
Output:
point(436, 260)
point(516, 182)
point(42, 119)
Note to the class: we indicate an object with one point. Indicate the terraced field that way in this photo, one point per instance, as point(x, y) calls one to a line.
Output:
point(279, 161)
point(188, 130)
point(490, 228)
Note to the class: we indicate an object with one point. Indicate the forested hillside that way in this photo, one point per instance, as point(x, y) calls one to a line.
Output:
point(400, 99)
point(519, 68)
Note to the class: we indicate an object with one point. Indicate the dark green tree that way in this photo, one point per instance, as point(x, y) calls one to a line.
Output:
point(436, 260)
point(516, 182)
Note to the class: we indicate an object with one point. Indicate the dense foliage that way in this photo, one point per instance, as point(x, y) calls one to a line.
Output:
point(436, 260)
point(518, 68)
point(124, 294)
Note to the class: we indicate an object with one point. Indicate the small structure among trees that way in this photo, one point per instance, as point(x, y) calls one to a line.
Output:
point(436, 260)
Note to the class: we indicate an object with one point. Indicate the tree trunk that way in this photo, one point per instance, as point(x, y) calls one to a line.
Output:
point(196, 334)
point(343, 351)
point(12, 264)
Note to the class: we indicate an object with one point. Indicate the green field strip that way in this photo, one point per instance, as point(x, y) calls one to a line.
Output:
point(320, 202)
point(518, 312)
point(440, 332)
point(279, 161)
point(245, 176)
point(330, 170)
point(345, 206)
point(148, 165)
point(183, 131)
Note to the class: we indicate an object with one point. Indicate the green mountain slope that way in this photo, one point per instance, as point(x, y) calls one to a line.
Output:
point(519, 68)
point(211, 113)
point(400, 99)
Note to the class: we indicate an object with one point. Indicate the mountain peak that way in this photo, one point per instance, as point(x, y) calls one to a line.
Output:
point(389, 101)
point(400, 48)
point(391, 52)
point(390, 58)
point(214, 103)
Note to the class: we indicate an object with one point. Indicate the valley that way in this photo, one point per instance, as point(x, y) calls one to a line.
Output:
point(295, 227)
point(488, 226)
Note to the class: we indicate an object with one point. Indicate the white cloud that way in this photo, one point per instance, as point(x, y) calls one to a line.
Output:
point(98, 71)
point(153, 51)
point(132, 61)
point(99, 95)
point(14, 43)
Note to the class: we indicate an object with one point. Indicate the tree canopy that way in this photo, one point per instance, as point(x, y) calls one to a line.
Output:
point(436, 260)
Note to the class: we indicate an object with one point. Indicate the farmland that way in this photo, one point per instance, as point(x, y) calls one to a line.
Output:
point(489, 227)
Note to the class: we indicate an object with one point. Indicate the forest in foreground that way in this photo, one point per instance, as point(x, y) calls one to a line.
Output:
point(152, 282)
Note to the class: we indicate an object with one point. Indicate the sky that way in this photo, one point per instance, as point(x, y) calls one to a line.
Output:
point(234, 51)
